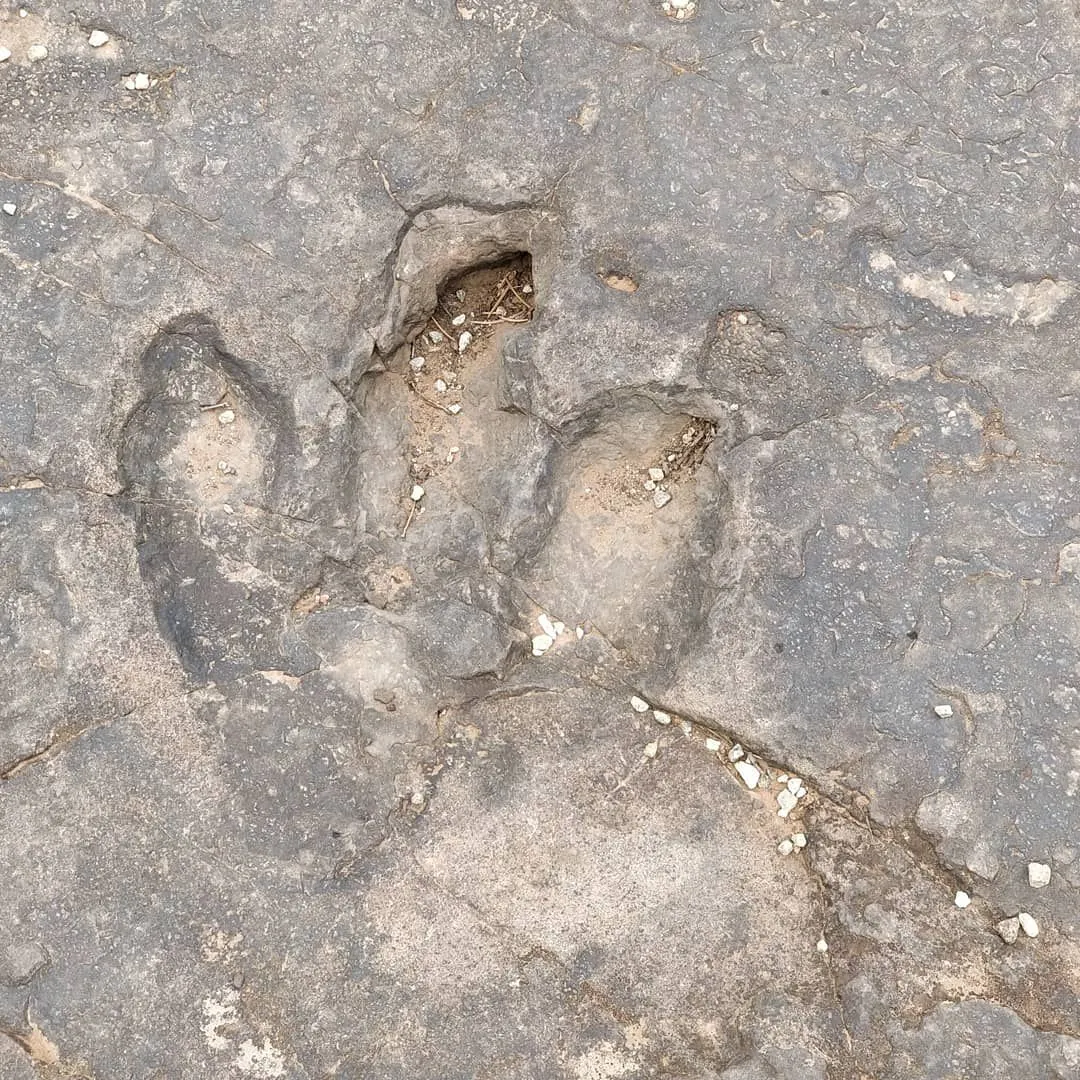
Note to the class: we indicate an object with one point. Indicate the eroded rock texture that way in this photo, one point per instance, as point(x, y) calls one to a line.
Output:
point(447, 451)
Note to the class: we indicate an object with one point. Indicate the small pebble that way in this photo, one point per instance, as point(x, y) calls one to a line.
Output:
point(961, 900)
point(656, 475)
point(785, 847)
point(736, 752)
point(1008, 930)
point(452, 454)
point(712, 745)
point(639, 705)
point(226, 469)
point(943, 711)
point(793, 785)
point(547, 626)
point(439, 386)
point(782, 778)
point(801, 793)
point(464, 341)
point(822, 945)
point(1038, 875)
point(460, 294)
point(540, 644)
point(97, 38)
point(458, 320)
point(10, 208)
point(226, 416)
point(434, 337)
point(799, 840)
point(661, 498)
point(580, 631)
point(417, 493)
point(227, 509)
point(661, 717)
point(687, 728)
point(526, 289)
point(5, 53)
point(786, 802)
point(454, 409)
point(417, 363)
point(948, 275)
point(650, 749)
point(650, 485)
point(559, 627)
point(36, 52)
point(1028, 924)
point(750, 773)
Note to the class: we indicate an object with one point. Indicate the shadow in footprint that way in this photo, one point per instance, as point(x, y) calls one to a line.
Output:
point(198, 458)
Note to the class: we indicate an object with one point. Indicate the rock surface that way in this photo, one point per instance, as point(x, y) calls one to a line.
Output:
point(286, 791)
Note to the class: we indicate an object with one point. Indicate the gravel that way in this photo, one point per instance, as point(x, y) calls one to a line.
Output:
point(1028, 924)
point(1038, 875)
point(1008, 930)
point(36, 53)
point(97, 38)
point(749, 772)
point(639, 704)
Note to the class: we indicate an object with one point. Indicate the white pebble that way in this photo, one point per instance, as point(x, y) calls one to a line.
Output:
point(656, 475)
point(782, 778)
point(464, 341)
point(417, 363)
point(36, 52)
point(10, 208)
point(417, 493)
point(1028, 924)
point(944, 711)
point(526, 289)
point(559, 627)
point(712, 745)
point(736, 752)
point(793, 784)
point(749, 772)
point(785, 847)
point(801, 793)
point(822, 945)
point(580, 632)
point(5, 54)
point(454, 409)
point(638, 704)
point(458, 320)
point(661, 717)
point(799, 840)
point(650, 749)
point(540, 644)
point(786, 802)
point(97, 38)
point(961, 900)
point(434, 337)
point(1038, 875)
point(649, 485)
point(661, 498)
point(226, 469)
point(547, 626)
point(1008, 930)
point(227, 509)
point(440, 386)
point(948, 275)
point(226, 416)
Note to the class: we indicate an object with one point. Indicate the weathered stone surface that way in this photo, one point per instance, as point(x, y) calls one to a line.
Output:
point(284, 791)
